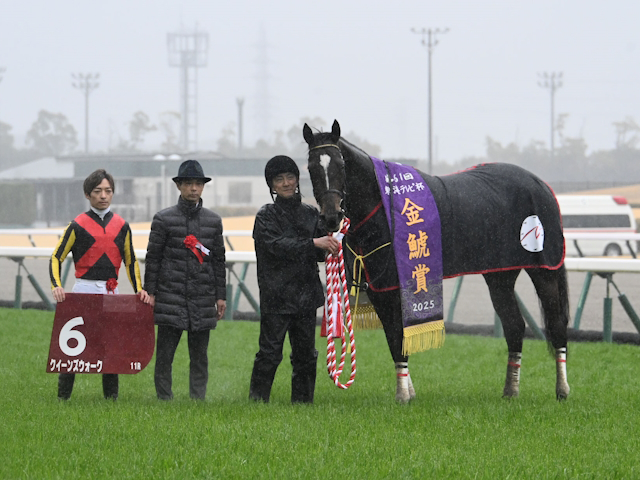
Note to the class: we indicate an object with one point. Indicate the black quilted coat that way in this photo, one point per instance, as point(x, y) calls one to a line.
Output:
point(186, 291)
point(287, 258)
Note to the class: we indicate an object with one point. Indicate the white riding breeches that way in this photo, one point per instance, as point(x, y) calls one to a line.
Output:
point(91, 286)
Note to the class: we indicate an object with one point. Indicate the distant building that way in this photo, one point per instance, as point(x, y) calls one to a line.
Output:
point(50, 189)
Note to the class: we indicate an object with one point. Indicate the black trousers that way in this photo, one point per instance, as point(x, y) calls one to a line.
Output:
point(304, 356)
point(109, 385)
point(167, 342)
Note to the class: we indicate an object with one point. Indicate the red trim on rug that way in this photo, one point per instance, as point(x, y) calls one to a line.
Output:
point(367, 218)
point(506, 269)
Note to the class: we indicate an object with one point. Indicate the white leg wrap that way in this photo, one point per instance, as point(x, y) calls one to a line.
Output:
point(402, 386)
point(562, 386)
point(512, 382)
point(412, 391)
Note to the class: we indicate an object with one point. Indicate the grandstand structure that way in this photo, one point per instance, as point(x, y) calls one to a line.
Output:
point(50, 189)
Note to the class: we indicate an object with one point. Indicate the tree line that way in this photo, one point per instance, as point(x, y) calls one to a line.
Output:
point(569, 161)
point(51, 134)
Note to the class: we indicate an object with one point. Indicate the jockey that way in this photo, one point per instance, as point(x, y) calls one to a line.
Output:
point(99, 241)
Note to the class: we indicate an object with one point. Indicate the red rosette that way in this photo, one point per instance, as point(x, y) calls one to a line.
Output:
point(112, 283)
point(190, 241)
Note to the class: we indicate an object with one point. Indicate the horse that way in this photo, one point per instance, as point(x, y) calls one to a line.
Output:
point(346, 186)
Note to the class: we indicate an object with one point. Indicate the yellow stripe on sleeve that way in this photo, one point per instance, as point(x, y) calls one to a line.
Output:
point(59, 254)
point(131, 263)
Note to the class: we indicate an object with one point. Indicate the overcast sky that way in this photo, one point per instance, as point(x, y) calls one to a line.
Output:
point(353, 60)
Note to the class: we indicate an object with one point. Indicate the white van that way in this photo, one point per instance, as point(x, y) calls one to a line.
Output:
point(597, 214)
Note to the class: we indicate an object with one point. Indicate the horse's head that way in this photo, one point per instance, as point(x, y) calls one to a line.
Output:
point(326, 169)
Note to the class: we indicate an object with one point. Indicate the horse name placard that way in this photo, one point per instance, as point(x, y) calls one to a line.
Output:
point(101, 334)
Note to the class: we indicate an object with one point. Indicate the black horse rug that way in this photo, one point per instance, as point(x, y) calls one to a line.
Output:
point(495, 217)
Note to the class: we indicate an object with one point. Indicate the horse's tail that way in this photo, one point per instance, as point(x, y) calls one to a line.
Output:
point(556, 321)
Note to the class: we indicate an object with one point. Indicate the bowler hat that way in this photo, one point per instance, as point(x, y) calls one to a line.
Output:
point(191, 169)
point(278, 165)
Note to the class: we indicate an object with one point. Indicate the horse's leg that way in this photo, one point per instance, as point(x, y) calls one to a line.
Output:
point(388, 308)
point(404, 386)
point(502, 290)
point(552, 289)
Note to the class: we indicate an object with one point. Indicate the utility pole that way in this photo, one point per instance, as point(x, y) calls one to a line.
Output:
point(240, 102)
point(87, 83)
point(552, 81)
point(2, 70)
point(429, 40)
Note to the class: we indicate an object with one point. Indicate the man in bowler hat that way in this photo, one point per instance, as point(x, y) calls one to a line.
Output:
point(185, 278)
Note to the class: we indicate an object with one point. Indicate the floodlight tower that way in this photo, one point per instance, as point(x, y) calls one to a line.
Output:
point(188, 50)
point(552, 81)
point(86, 83)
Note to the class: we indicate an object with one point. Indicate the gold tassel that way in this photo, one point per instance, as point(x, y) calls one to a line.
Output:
point(363, 315)
point(365, 318)
point(426, 336)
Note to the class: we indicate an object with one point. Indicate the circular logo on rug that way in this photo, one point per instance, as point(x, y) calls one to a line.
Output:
point(532, 234)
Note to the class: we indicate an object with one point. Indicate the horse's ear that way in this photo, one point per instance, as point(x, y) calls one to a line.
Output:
point(335, 131)
point(307, 134)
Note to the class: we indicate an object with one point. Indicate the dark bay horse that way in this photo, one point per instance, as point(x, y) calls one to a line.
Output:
point(478, 210)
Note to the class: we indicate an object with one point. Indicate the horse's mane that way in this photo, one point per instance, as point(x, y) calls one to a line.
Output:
point(351, 148)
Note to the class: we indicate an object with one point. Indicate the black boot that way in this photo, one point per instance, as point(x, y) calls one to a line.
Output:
point(110, 386)
point(261, 382)
point(303, 381)
point(65, 385)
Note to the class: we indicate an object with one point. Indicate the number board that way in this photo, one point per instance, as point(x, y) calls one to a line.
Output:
point(101, 334)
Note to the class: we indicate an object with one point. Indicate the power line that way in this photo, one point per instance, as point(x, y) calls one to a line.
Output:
point(430, 40)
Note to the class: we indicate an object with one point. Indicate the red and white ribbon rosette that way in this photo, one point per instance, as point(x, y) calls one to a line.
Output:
point(193, 244)
point(112, 283)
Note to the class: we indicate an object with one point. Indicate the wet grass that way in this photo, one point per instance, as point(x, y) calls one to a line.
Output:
point(457, 427)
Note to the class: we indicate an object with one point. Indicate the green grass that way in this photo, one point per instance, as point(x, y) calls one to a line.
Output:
point(457, 427)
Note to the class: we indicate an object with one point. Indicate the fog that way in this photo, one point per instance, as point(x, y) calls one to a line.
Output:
point(357, 61)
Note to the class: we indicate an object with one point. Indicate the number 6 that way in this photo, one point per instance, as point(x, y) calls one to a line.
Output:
point(67, 333)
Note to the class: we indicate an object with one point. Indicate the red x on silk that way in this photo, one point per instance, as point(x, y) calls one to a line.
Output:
point(104, 243)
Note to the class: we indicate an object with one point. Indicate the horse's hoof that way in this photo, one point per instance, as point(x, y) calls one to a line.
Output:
point(403, 397)
point(562, 392)
point(510, 392)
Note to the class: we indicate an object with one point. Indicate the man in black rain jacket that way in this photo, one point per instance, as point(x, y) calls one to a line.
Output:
point(185, 276)
point(288, 244)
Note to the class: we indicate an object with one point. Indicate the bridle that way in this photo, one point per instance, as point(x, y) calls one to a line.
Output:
point(335, 191)
point(325, 145)
point(358, 257)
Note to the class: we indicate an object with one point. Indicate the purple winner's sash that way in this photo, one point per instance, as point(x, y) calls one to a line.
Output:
point(414, 223)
